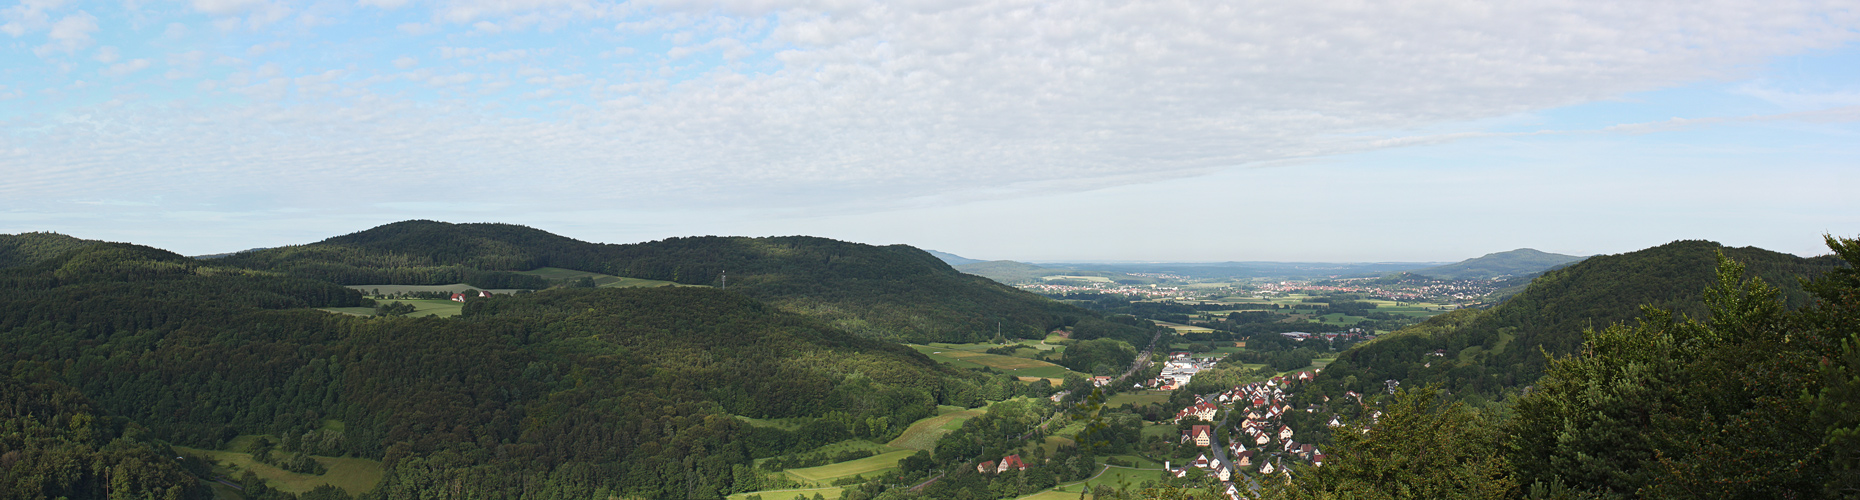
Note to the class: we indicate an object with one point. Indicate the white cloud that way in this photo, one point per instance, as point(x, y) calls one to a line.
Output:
point(28, 16)
point(264, 48)
point(125, 68)
point(107, 54)
point(225, 7)
point(417, 28)
point(405, 62)
point(70, 34)
point(384, 4)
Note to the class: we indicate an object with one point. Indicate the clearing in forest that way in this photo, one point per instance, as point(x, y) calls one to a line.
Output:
point(867, 466)
point(353, 475)
point(922, 434)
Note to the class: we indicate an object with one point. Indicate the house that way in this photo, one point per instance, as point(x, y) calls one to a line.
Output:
point(1285, 432)
point(1244, 458)
point(1010, 462)
point(1266, 467)
point(1317, 460)
point(1334, 422)
point(1200, 435)
point(1100, 381)
point(985, 467)
point(1221, 472)
point(1201, 461)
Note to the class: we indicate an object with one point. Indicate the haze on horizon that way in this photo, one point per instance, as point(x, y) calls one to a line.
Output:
point(1034, 131)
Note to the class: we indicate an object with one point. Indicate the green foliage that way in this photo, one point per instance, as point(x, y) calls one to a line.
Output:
point(1420, 448)
point(1085, 355)
point(26, 249)
point(561, 394)
point(53, 444)
point(1683, 407)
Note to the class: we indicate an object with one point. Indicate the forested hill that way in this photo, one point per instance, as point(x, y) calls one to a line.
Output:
point(891, 292)
point(564, 393)
point(30, 248)
point(1520, 262)
point(1496, 351)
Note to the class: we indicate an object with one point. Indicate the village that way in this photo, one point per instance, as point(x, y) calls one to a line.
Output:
point(1244, 430)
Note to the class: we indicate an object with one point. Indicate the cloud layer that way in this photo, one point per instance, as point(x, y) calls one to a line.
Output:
point(561, 105)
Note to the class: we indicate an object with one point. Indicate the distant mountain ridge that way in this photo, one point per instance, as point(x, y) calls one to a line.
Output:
point(952, 259)
point(1494, 351)
point(1520, 262)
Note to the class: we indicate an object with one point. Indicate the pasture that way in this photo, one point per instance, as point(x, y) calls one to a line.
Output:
point(868, 467)
point(970, 356)
point(922, 434)
point(421, 308)
point(353, 475)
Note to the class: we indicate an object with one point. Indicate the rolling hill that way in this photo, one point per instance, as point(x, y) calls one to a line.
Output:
point(563, 393)
point(891, 292)
point(29, 248)
point(1497, 351)
point(1520, 262)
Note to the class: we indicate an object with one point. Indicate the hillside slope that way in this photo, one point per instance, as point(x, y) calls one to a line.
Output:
point(1496, 351)
point(889, 292)
point(25, 249)
point(1523, 261)
point(567, 393)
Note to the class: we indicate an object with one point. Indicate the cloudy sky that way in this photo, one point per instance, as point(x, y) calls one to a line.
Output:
point(1419, 130)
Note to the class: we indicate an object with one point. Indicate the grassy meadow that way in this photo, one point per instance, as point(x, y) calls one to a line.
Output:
point(353, 475)
point(421, 308)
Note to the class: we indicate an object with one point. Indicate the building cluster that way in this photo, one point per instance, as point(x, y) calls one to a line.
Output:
point(1007, 463)
point(1176, 372)
point(1353, 333)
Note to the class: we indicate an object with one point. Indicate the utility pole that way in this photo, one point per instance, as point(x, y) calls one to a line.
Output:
point(726, 279)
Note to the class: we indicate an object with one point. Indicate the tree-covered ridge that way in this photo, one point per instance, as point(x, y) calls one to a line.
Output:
point(565, 393)
point(25, 249)
point(1523, 261)
point(891, 292)
point(1748, 399)
point(1496, 351)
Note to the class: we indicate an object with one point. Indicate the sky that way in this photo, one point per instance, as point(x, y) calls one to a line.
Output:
point(1231, 130)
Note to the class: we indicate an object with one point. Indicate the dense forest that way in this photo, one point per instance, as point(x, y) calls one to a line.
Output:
point(1493, 353)
point(564, 393)
point(892, 292)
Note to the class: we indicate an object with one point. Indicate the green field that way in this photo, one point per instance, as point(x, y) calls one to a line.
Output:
point(922, 434)
point(1138, 398)
point(971, 356)
point(600, 280)
point(421, 307)
point(827, 493)
point(452, 288)
point(867, 466)
point(354, 475)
